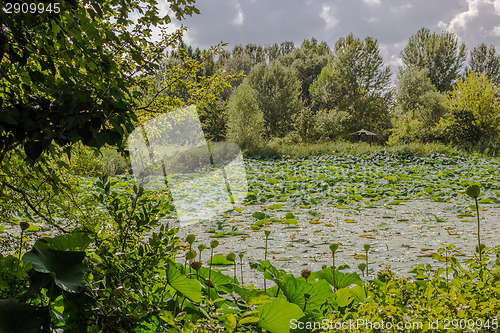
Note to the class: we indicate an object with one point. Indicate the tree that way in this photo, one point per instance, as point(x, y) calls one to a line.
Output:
point(485, 60)
point(245, 119)
point(86, 74)
point(68, 76)
point(278, 96)
point(357, 82)
point(418, 106)
point(360, 63)
point(441, 54)
point(473, 109)
point(307, 61)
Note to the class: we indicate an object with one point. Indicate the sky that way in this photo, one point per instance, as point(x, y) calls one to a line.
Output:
point(391, 22)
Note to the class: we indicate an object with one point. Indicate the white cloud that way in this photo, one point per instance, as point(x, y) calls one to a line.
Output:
point(328, 15)
point(496, 31)
point(400, 8)
point(478, 23)
point(373, 2)
point(497, 6)
point(240, 16)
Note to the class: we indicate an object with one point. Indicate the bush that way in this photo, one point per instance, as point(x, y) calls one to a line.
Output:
point(89, 161)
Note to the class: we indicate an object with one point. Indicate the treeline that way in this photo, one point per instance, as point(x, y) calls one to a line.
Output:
point(316, 93)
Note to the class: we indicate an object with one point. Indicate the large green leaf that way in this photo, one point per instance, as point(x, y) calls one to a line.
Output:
point(270, 272)
point(65, 267)
point(16, 316)
point(217, 277)
point(220, 259)
point(341, 280)
point(188, 287)
point(78, 241)
point(276, 316)
point(295, 290)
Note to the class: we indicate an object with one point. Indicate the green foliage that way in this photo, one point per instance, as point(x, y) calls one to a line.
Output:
point(13, 276)
point(182, 82)
point(278, 96)
point(485, 60)
point(432, 299)
point(355, 83)
point(473, 110)
point(246, 122)
point(332, 124)
point(65, 267)
point(276, 315)
point(417, 107)
point(307, 61)
point(71, 76)
point(441, 54)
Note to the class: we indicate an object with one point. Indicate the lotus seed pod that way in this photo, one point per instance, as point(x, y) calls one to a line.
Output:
point(190, 239)
point(214, 244)
point(334, 247)
point(473, 191)
point(231, 257)
point(24, 225)
point(196, 265)
point(191, 255)
point(305, 273)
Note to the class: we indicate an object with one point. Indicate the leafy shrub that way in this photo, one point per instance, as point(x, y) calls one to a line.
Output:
point(331, 124)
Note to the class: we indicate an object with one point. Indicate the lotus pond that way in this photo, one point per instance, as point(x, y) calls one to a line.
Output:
point(405, 207)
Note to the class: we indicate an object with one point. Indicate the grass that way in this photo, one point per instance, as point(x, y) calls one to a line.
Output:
point(350, 148)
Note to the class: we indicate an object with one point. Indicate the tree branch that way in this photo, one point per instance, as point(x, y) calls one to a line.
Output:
point(33, 208)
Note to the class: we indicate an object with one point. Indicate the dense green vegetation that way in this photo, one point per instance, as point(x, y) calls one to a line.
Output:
point(85, 249)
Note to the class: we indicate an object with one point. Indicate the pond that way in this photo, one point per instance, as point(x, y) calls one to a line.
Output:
point(404, 207)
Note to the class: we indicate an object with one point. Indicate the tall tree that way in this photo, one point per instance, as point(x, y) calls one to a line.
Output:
point(307, 61)
point(441, 54)
point(356, 81)
point(278, 96)
point(485, 60)
point(68, 74)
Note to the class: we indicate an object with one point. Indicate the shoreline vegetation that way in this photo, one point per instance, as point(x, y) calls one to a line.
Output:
point(110, 161)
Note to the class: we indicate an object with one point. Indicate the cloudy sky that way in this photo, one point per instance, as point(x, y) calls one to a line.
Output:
point(392, 22)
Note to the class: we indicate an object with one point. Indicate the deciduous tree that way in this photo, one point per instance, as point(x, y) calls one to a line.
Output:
point(485, 60)
point(69, 74)
point(441, 54)
point(245, 119)
point(356, 81)
point(278, 95)
point(417, 108)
